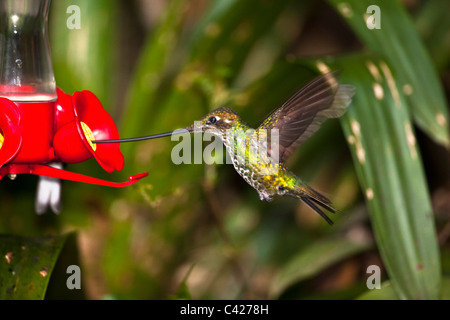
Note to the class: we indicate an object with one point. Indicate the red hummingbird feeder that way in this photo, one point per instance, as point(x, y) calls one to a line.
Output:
point(40, 124)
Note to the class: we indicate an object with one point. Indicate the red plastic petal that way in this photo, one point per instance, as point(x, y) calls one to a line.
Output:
point(69, 145)
point(63, 110)
point(43, 170)
point(88, 109)
point(9, 127)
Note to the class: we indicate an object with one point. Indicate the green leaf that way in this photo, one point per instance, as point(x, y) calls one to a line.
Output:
point(398, 42)
point(388, 164)
point(183, 292)
point(26, 265)
point(386, 292)
point(433, 25)
point(313, 260)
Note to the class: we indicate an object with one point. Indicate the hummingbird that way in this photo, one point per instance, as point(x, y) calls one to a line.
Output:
point(258, 155)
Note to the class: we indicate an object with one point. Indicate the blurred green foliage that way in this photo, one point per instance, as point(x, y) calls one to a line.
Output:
point(198, 231)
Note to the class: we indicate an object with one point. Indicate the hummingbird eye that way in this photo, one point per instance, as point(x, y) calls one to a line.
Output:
point(212, 120)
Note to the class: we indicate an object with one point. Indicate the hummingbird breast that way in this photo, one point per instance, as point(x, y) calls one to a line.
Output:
point(252, 162)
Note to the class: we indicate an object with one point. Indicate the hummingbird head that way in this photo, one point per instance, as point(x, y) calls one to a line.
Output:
point(217, 121)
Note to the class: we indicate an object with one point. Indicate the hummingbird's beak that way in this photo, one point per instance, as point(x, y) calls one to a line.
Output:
point(154, 136)
point(195, 128)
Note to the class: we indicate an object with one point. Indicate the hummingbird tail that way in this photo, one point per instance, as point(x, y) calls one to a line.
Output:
point(317, 202)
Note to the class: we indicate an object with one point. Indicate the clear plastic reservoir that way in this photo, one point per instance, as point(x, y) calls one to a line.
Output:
point(26, 73)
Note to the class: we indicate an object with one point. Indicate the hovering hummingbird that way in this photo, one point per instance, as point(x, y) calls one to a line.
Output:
point(258, 155)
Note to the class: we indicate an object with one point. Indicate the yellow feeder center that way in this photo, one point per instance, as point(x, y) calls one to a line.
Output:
point(2, 140)
point(89, 135)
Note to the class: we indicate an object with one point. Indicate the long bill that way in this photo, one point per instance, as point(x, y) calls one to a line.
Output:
point(154, 136)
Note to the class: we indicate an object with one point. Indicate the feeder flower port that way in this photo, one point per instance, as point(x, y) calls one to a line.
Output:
point(42, 127)
point(81, 119)
point(78, 120)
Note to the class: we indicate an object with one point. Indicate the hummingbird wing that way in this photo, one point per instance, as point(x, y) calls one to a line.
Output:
point(299, 117)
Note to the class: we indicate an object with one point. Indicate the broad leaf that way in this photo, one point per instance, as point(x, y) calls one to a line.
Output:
point(27, 265)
